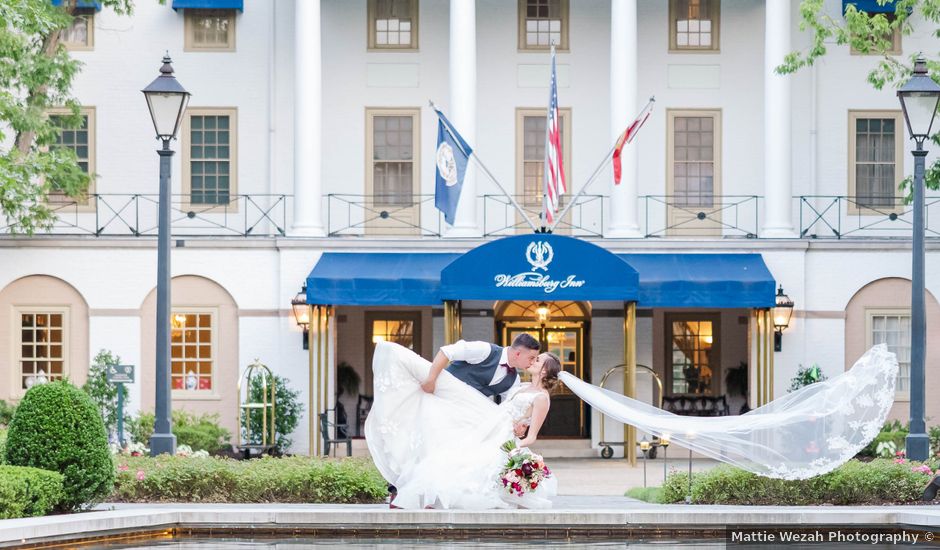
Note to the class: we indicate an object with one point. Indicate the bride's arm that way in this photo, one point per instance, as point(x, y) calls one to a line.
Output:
point(539, 411)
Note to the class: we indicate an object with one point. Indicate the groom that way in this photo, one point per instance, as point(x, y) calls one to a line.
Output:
point(488, 368)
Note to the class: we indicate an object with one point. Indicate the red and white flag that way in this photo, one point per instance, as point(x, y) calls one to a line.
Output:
point(554, 168)
point(628, 135)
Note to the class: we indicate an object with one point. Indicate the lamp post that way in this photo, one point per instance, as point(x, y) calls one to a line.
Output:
point(301, 313)
point(919, 97)
point(166, 100)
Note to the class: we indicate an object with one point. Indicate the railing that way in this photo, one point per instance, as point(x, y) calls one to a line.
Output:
point(585, 218)
point(840, 217)
point(136, 215)
point(726, 216)
point(383, 215)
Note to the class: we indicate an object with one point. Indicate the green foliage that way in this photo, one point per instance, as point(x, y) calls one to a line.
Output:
point(892, 434)
point(287, 480)
point(871, 34)
point(288, 408)
point(876, 482)
point(201, 432)
point(934, 435)
point(58, 428)
point(7, 410)
point(103, 393)
point(3, 446)
point(646, 494)
point(36, 76)
point(27, 492)
point(806, 376)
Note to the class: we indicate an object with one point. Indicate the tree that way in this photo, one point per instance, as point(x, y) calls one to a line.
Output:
point(36, 74)
point(871, 34)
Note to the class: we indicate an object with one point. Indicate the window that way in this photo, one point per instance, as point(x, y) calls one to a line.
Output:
point(392, 171)
point(393, 24)
point(694, 25)
point(209, 30)
point(402, 328)
point(80, 139)
point(41, 349)
point(209, 157)
point(542, 22)
point(80, 35)
point(530, 157)
point(692, 361)
point(875, 146)
point(893, 36)
point(893, 327)
point(192, 350)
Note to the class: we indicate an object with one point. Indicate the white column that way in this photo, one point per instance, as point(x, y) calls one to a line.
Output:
point(463, 106)
point(623, 79)
point(778, 183)
point(308, 215)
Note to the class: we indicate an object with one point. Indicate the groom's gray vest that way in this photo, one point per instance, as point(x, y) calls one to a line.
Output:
point(479, 375)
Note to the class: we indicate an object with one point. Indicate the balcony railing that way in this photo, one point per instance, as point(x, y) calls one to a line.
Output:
point(585, 218)
point(841, 217)
point(357, 215)
point(720, 216)
point(136, 215)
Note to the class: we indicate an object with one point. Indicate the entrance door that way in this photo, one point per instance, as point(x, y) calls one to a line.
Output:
point(566, 417)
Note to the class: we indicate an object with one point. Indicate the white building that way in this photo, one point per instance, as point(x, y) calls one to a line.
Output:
point(309, 132)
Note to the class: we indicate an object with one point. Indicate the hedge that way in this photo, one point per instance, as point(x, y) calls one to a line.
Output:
point(287, 480)
point(26, 492)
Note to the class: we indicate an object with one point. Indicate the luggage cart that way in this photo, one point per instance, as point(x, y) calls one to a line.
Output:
point(607, 450)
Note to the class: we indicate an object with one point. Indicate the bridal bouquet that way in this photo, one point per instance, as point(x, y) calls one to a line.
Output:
point(524, 470)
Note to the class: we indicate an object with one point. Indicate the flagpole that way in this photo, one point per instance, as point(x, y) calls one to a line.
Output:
point(488, 173)
point(591, 179)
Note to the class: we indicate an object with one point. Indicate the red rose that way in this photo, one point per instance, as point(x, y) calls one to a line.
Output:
point(534, 484)
point(519, 472)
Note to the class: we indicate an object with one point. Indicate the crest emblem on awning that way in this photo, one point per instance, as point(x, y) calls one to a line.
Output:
point(539, 254)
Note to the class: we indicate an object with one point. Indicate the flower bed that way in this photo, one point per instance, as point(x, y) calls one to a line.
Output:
point(211, 479)
point(877, 482)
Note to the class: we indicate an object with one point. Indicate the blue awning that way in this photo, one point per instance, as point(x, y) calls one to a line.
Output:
point(372, 279)
point(870, 6)
point(209, 5)
point(538, 267)
point(81, 4)
point(703, 280)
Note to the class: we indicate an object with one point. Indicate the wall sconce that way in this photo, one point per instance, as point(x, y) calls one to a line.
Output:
point(782, 312)
point(542, 311)
point(302, 313)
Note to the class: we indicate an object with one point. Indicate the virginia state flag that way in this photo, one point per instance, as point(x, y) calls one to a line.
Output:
point(452, 156)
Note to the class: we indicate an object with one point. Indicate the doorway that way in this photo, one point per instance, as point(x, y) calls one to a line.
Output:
point(562, 328)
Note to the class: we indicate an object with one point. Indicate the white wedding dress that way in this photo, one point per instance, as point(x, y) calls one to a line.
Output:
point(443, 449)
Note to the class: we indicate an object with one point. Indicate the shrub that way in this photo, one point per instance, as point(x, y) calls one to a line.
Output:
point(102, 392)
point(892, 434)
point(201, 432)
point(26, 492)
point(7, 411)
point(3, 445)
point(855, 482)
point(934, 435)
point(806, 376)
point(288, 408)
point(57, 427)
point(286, 480)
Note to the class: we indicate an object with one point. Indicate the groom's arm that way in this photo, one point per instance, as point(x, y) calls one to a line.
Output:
point(471, 352)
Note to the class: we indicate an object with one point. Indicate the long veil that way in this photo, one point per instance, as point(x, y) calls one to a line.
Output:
point(804, 434)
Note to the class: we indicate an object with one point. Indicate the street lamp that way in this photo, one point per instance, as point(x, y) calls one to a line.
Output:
point(783, 310)
point(166, 100)
point(301, 313)
point(919, 97)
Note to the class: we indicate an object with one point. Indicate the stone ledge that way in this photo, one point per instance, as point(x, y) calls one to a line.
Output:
point(373, 518)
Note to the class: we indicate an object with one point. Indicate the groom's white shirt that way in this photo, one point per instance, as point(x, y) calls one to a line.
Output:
point(474, 353)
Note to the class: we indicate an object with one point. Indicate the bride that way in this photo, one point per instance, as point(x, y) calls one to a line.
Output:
point(442, 449)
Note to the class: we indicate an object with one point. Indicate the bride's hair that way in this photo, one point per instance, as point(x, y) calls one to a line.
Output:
point(550, 369)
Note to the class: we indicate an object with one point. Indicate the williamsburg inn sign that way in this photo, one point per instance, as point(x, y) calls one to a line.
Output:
point(539, 255)
point(529, 267)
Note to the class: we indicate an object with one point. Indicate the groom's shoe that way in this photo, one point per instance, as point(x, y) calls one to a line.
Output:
point(931, 491)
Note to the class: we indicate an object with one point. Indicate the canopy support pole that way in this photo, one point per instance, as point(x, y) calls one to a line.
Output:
point(629, 375)
point(312, 406)
point(452, 327)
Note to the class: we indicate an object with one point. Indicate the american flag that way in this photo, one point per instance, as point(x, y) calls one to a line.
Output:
point(554, 168)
